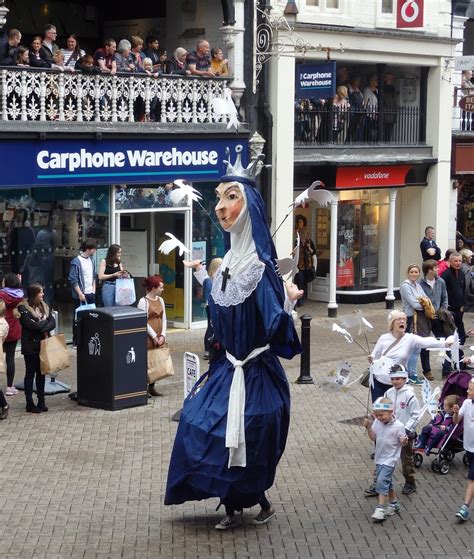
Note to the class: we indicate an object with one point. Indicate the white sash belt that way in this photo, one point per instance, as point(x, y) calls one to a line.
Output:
point(235, 430)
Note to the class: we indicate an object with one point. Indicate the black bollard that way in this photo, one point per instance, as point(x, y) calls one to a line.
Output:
point(305, 376)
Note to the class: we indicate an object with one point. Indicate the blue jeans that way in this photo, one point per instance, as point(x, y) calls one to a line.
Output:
point(383, 478)
point(108, 294)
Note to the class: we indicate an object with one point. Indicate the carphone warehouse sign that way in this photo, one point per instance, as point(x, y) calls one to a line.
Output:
point(315, 81)
point(75, 162)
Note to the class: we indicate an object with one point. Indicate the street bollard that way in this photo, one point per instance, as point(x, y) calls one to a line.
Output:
point(305, 376)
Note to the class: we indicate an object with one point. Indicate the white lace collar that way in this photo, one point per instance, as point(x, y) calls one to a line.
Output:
point(238, 287)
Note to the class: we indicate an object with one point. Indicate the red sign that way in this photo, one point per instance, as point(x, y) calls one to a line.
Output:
point(382, 176)
point(410, 13)
point(467, 103)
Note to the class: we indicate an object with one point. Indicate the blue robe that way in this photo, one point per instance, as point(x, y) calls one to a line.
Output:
point(199, 462)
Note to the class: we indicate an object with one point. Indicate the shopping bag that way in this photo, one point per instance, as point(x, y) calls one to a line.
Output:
point(84, 307)
point(160, 364)
point(124, 291)
point(2, 358)
point(54, 355)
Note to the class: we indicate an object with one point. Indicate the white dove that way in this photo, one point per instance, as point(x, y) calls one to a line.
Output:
point(184, 190)
point(167, 246)
point(356, 319)
point(322, 197)
point(225, 106)
point(287, 265)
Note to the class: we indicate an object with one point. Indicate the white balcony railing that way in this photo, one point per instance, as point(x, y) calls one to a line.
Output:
point(45, 95)
point(463, 120)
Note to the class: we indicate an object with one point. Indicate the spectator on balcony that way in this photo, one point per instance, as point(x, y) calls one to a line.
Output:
point(36, 54)
point(49, 47)
point(357, 116)
point(73, 52)
point(58, 63)
point(466, 80)
point(123, 58)
point(104, 57)
point(219, 63)
point(177, 64)
point(428, 247)
point(389, 105)
point(86, 65)
point(152, 51)
point(342, 76)
point(22, 56)
point(341, 105)
point(199, 62)
point(8, 44)
point(137, 51)
point(371, 101)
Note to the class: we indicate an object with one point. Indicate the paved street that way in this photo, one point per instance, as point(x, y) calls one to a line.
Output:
point(79, 482)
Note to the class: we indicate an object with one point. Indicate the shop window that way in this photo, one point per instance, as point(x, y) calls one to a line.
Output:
point(312, 2)
point(41, 230)
point(141, 197)
point(387, 6)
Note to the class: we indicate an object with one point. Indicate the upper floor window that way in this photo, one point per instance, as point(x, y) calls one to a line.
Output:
point(387, 6)
point(331, 4)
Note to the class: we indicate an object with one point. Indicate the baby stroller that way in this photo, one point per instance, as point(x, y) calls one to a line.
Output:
point(456, 384)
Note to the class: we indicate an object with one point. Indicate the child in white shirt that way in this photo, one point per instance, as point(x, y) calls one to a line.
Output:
point(389, 436)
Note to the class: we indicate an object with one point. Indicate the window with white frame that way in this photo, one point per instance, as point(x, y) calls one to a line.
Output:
point(329, 4)
point(387, 6)
point(332, 4)
point(312, 2)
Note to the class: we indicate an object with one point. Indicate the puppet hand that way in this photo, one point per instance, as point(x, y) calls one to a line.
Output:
point(293, 292)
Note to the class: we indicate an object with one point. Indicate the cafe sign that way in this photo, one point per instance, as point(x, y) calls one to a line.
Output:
point(467, 103)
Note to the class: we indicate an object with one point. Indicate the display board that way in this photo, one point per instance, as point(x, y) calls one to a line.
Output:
point(134, 252)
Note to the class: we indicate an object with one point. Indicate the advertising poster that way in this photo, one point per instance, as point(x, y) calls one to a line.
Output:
point(315, 81)
point(369, 254)
point(345, 244)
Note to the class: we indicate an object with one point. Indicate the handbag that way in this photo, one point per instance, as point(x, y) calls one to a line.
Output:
point(54, 355)
point(2, 358)
point(365, 380)
point(428, 308)
point(124, 291)
point(84, 307)
point(160, 364)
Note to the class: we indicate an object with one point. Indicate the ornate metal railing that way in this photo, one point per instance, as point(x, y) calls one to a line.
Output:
point(342, 126)
point(463, 120)
point(48, 95)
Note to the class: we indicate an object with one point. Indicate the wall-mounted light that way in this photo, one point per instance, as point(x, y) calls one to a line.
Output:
point(44, 10)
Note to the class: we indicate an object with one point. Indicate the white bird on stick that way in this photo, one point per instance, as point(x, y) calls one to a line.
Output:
point(322, 197)
point(356, 319)
point(287, 265)
point(167, 246)
point(226, 106)
point(183, 191)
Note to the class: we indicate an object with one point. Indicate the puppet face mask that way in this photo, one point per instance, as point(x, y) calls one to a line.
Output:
point(230, 201)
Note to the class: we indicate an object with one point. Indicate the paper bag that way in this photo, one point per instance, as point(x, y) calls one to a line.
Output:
point(124, 291)
point(160, 365)
point(54, 355)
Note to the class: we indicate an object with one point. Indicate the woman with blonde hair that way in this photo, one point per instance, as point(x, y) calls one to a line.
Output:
point(205, 279)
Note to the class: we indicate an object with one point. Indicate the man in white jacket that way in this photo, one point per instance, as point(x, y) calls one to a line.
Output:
point(406, 409)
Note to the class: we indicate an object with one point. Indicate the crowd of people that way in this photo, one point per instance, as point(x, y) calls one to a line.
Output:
point(353, 111)
point(128, 56)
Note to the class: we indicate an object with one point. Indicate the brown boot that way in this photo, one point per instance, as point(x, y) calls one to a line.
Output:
point(4, 412)
point(428, 375)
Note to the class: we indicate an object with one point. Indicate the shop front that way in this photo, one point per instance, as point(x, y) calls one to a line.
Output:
point(463, 175)
point(357, 236)
point(55, 194)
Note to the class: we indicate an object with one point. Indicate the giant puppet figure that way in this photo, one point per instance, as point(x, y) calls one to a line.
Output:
point(234, 424)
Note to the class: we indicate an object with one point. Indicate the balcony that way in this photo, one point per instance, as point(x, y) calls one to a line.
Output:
point(338, 126)
point(463, 121)
point(37, 95)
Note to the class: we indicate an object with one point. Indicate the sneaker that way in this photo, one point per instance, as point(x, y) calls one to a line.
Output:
point(4, 412)
point(427, 451)
point(226, 523)
point(393, 508)
point(414, 379)
point(379, 514)
point(370, 492)
point(264, 516)
point(11, 391)
point(463, 513)
point(409, 488)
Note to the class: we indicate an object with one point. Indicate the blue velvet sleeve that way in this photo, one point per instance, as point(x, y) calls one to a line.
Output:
point(279, 326)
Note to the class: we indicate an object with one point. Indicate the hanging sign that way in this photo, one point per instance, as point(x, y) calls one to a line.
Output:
point(315, 81)
point(467, 103)
point(410, 13)
point(378, 176)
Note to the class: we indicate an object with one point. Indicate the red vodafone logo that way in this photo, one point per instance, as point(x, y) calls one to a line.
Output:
point(410, 13)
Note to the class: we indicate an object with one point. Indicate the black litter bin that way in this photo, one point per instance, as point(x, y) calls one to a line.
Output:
point(112, 358)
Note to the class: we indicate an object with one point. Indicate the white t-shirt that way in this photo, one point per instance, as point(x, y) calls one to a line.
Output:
point(467, 412)
point(387, 443)
point(87, 272)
